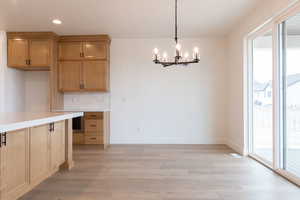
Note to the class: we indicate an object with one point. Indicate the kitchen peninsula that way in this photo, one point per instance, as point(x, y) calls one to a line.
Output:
point(33, 146)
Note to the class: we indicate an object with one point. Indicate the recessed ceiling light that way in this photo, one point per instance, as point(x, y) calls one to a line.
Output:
point(56, 21)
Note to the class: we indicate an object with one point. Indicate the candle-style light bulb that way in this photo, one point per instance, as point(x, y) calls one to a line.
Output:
point(196, 52)
point(165, 55)
point(186, 55)
point(178, 47)
point(155, 51)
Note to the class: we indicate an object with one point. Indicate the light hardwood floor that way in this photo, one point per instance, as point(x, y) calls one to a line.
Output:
point(163, 172)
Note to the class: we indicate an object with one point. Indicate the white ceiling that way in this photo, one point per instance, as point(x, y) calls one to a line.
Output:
point(124, 18)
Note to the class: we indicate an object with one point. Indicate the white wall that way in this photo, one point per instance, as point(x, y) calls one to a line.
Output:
point(87, 101)
point(37, 91)
point(151, 104)
point(21, 91)
point(266, 10)
point(11, 82)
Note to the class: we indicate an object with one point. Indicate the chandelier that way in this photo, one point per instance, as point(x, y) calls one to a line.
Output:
point(178, 59)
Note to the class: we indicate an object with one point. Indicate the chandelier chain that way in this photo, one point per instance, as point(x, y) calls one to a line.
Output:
point(176, 21)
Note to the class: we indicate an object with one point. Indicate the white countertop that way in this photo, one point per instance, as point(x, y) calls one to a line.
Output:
point(19, 120)
point(83, 109)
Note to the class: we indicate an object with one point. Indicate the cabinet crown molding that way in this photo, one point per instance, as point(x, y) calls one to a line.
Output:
point(31, 35)
point(80, 38)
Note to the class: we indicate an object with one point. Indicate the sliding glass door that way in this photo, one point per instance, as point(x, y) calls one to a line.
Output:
point(291, 95)
point(273, 94)
point(261, 106)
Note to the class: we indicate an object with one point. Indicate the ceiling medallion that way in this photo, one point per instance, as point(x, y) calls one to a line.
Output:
point(178, 59)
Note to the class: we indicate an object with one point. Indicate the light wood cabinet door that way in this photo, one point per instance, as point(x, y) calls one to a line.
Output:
point(16, 154)
point(70, 51)
point(39, 153)
point(94, 50)
point(57, 145)
point(69, 76)
point(94, 75)
point(18, 52)
point(39, 53)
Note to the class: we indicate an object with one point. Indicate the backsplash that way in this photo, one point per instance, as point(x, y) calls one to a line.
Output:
point(88, 101)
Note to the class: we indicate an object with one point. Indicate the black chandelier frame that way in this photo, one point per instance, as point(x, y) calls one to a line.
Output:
point(178, 58)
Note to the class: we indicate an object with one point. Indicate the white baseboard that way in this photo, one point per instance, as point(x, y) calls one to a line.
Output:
point(236, 147)
point(164, 141)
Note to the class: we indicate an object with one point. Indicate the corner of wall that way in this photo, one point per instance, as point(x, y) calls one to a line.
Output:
point(11, 83)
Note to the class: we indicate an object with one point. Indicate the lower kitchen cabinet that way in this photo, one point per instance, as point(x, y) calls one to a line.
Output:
point(39, 153)
point(29, 157)
point(57, 145)
point(16, 156)
point(96, 129)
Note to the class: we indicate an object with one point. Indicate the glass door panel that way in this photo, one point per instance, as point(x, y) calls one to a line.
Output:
point(262, 98)
point(291, 93)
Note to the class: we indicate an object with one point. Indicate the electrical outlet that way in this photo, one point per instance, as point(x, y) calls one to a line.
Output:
point(74, 100)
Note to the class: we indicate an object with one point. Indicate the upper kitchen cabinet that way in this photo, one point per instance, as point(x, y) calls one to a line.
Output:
point(94, 50)
point(33, 51)
point(39, 53)
point(84, 47)
point(70, 50)
point(84, 63)
point(18, 53)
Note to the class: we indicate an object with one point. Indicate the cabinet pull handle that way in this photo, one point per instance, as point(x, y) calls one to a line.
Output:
point(51, 127)
point(81, 86)
point(3, 139)
point(93, 125)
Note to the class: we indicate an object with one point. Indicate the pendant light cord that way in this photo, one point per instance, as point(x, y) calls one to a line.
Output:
point(176, 23)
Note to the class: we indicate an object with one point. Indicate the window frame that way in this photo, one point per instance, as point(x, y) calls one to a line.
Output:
point(275, 24)
point(261, 31)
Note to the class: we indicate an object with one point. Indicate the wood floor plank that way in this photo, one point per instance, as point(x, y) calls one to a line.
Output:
point(163, 172)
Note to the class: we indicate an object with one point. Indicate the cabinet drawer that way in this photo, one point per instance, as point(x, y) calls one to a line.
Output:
point(92, 125)
point(93, 139)
point(78, 138)
point(93, 115)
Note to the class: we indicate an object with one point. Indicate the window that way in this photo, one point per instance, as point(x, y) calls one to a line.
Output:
point(261, 101)
point(273, 97)
point(290, 30)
